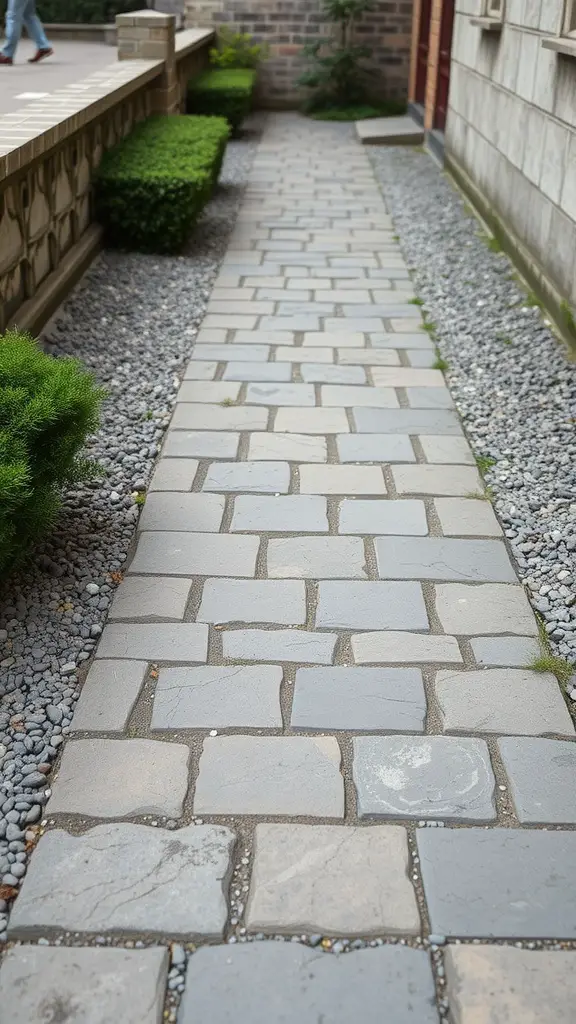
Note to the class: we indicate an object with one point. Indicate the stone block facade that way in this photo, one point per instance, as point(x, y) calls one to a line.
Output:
point(511, 129)
point(286, 25)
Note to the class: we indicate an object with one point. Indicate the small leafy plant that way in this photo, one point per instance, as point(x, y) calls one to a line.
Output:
point(237, 50)
point(223, 93)
point(47, 409)
point(338, 75)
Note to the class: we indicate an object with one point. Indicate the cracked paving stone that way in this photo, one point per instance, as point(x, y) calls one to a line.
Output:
point(331, 880)
point(218, 697)
point(506, 985)
point(438, 558)
point(289, 645)
point(151, 597)
point(153, 775)
point(109, 695)
point(288, 775)
point(90, 986)
point(502, 700)
point(258, 981)
point(405, 647)
point(292, 447)
point(499, 883)
point(437, 777)
point(122, 877)
point(347, 699)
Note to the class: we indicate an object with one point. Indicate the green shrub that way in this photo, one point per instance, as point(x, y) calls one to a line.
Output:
point(47, 408)
point(225, 93)
point(237, 50)
point(84, 12)
point(152, 186)
point(338, 75)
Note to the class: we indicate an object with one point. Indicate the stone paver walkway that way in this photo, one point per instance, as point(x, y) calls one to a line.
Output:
point(310, 713)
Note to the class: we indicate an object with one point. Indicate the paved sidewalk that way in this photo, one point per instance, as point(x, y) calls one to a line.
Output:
point(310, 714)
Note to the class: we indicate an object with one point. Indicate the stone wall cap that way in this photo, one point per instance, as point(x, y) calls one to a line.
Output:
point(145, 19)
point(191, 39)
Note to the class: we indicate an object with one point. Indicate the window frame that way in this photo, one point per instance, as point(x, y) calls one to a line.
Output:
point(568, 30)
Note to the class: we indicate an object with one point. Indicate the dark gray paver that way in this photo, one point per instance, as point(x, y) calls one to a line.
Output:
point(196, 554)
point(436, 777)
point(490, 608)
point(154, 641)
point(504, 985)
point(371, 605)
point(121, 877)
point(359, 698)
point(257, 371)
point(285, 775)
point(39, 984)
point(515, 651)
point(181, 511)
point(406, 421)
point(151, 597)
point(109, 695)
point(291, 513)
point(270, 601)
point(277, 983)
point(317, 558)
point(248, 476)
point(290, 645)
point(375, 448)
point(217, 696)
point(499, 883)
point(201, 444)
point(541, 774)
point(502, 700)
point(437, 558)
point(154, 778)
point(332, 880)
point(383, 517)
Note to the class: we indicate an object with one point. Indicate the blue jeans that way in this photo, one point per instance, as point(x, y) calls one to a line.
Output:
point(23, 12)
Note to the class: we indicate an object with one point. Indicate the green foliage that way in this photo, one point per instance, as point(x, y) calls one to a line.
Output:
point(484, 463)
point(338, 73)
point(440, 363)
point(430, 327)
point(568, 316)
point(225, 93)
point(85, 12)
point(152, 186)
point(559, 667)
point(237, 50)
point(47, 408)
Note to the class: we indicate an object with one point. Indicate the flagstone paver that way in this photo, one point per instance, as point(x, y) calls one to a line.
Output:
point(41, 984)
point(312, 577)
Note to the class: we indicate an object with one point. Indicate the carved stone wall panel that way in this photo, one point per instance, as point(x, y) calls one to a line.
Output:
point(62, 187)
point(12, 245)
point(38, 212)
point(39, 260)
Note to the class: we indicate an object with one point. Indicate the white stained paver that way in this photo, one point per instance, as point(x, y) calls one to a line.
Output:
point(311, 408)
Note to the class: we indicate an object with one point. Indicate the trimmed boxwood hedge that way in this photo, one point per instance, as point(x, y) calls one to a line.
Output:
point(48, 407)
point(151, 187)
point(227, 93)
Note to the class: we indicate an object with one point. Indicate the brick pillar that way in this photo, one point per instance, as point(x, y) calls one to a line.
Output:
point(149, 35)
point(433, 55)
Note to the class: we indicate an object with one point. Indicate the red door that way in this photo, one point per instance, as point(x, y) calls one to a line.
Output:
point(422, 52)
point(443, 84)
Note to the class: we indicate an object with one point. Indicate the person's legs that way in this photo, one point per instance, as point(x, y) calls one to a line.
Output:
point(34, 26)
point(14, 20)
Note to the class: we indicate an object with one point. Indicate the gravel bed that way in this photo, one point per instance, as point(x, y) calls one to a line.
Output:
point(509, 375)
point(132, 322)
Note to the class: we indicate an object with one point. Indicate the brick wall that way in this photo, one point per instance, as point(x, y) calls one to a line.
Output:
point(287, 24)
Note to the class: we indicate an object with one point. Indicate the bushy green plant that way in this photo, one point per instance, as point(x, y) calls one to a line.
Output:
point(237, 50)
point(227, 93)
point(47, 408)
point(84, 12)
point(151, 187)
point(338, 74)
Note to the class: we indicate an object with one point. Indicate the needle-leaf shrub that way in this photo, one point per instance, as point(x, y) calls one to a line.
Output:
point(151, 187)
point(222, 92)
point(48, 407)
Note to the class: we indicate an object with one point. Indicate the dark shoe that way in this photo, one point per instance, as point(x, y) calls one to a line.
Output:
point(5, 60)
point(40, 55)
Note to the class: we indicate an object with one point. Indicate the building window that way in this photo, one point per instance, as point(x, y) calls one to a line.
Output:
point(495, 9)
point(569, 26)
